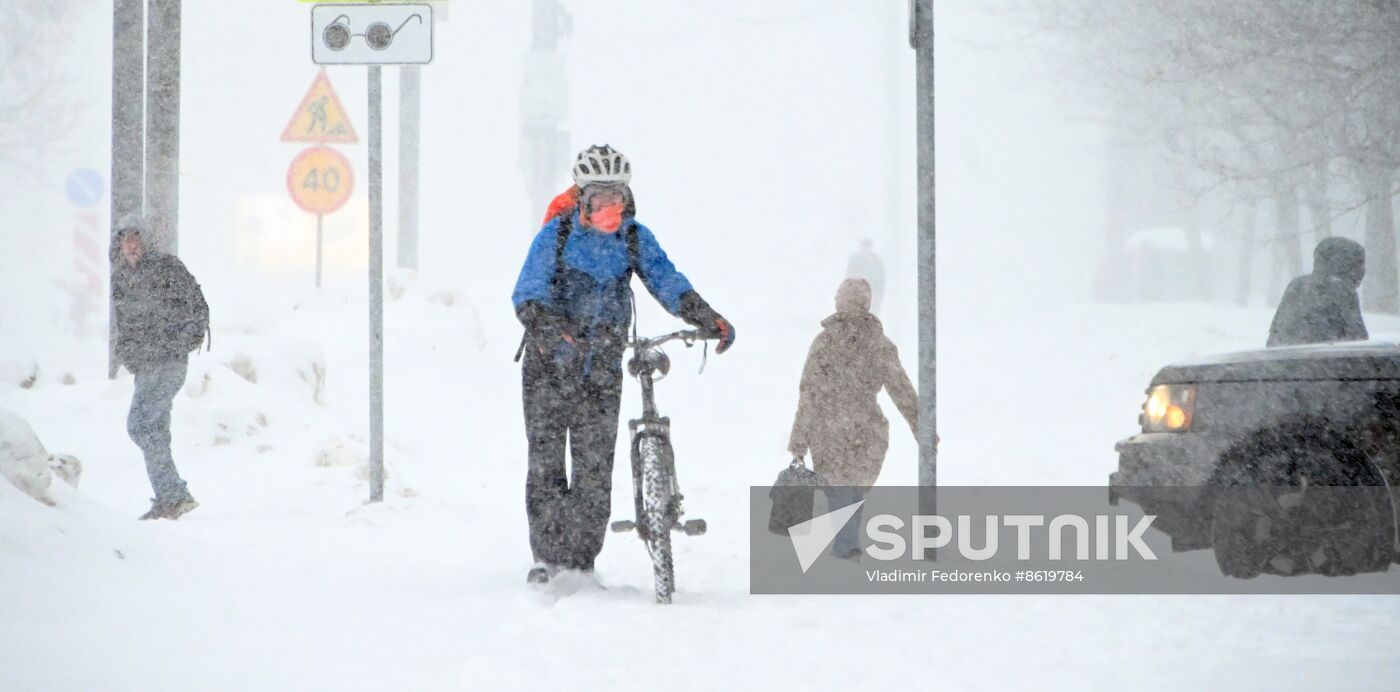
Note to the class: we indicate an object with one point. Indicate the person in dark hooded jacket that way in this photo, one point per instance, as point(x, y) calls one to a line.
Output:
point(838, 418)
point(161, 317)
point(1323, 306)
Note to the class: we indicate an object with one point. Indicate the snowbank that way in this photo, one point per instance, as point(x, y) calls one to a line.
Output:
point(27, 465)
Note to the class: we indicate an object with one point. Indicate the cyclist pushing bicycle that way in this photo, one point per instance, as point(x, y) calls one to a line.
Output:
point(574, 298)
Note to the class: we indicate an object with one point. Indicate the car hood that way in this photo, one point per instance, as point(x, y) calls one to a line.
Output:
point(1361, 360)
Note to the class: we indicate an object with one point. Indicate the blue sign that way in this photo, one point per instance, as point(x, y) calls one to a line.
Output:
point(85, 187)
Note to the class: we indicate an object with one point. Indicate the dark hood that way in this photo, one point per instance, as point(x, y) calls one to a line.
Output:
point(1342, 259)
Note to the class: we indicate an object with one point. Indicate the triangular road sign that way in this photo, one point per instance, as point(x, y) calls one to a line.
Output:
point(320, 117)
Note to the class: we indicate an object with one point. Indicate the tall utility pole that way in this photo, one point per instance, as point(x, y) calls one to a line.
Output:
point(543, 107)
point(163, 123)
point(128, 145)
point(410, 104)
point(921, 35)
point(376, 286)
point(410, 127)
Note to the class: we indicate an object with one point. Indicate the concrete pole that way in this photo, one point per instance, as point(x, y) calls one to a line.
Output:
point(163, 122)
point(922, 35)
point(376, 286)
point(543, 103)
point(410, 104)
point(128, 145)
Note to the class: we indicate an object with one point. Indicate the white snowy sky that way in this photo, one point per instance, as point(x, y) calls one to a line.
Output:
point(767, 141)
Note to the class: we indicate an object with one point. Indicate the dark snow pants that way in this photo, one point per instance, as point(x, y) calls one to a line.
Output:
point(148, 424)
point(575, 400)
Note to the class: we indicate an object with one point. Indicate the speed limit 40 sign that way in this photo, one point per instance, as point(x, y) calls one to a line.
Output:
point(320, 180)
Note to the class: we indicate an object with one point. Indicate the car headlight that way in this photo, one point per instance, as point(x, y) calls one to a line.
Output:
point(1169, 408)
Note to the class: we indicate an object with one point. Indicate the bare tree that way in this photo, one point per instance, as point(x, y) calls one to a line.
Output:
point(1267, 100)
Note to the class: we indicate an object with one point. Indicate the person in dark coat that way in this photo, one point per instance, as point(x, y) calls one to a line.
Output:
point(838, 418)
point(574, 297)
point(161, 317)
point(1323, 306)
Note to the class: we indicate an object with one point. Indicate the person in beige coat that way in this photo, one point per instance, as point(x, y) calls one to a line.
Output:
point(838, 418)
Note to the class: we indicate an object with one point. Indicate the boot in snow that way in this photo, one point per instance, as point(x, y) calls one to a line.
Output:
point(161, 510)
point(539, 574)
point(181, 508)
point(156, 511)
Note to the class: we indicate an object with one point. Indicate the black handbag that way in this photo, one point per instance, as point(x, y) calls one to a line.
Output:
point(793, 496)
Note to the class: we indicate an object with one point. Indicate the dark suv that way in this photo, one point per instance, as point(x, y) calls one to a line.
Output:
point(1283, 460)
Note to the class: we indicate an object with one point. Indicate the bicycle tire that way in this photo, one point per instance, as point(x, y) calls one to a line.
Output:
point(658, 510)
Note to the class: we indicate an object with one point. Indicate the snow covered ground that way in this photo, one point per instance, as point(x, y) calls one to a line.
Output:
point(284, 579)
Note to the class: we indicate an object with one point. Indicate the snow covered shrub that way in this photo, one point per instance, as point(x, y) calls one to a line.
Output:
point(18, 371)
point(274, 367)
point(66, 467)
point(23, 460)
point(345, 452)
point(242, 365)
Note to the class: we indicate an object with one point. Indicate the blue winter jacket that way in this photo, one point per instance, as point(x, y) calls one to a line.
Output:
point(594, 290)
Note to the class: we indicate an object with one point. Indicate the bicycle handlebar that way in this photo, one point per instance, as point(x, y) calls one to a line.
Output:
point(689, 336)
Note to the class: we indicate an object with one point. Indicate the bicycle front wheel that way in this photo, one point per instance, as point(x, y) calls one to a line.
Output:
point(658, 510)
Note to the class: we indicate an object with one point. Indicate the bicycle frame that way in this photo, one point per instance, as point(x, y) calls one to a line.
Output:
point(646, 362)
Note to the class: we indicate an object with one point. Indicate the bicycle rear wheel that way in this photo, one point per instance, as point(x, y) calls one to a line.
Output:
point(658, 510)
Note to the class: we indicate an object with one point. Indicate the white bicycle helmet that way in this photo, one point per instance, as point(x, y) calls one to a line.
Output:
point(601, 165)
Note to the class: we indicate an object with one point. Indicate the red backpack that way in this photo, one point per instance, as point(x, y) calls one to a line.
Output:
point(566, 203)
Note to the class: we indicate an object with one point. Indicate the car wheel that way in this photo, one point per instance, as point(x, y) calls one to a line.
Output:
point(1293, 504)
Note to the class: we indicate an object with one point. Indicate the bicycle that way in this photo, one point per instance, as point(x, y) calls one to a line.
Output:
point(656, 493)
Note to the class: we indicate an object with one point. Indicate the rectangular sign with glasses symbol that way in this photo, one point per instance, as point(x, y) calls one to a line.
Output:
point(1073, 540)
point(381, 34)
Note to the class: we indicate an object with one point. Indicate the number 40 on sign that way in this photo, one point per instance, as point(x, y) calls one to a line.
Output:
point(320, 180)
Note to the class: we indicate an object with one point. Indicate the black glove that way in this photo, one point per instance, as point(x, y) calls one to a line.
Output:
point(537, 317)
point(543, 326)
point(709, 323)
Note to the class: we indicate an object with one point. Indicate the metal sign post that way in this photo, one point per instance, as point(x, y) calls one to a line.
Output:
point(921, 36)
point(376, 288)
point(374, 35)
point(320, 246)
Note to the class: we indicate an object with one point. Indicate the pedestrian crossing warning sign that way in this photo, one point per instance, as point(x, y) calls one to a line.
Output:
point(320, 118)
